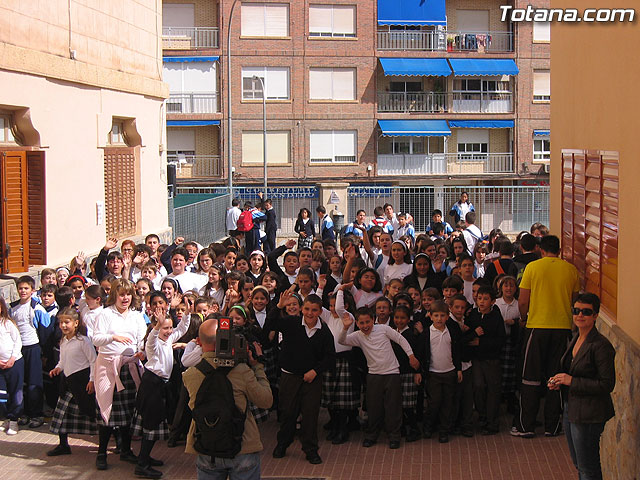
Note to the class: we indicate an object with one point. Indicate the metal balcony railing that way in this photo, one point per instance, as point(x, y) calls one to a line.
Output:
point(189, 38)
point(192, 103)
point(435, 40)
point(444, 163)
point(196, 166)
point(453, 102)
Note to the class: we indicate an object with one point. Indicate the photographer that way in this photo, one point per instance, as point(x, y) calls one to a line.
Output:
point(249, 382)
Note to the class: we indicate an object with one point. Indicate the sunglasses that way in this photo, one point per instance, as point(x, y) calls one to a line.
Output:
point(587, 312)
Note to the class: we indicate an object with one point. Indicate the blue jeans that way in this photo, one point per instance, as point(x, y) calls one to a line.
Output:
point(584, 447)
point(242, 467)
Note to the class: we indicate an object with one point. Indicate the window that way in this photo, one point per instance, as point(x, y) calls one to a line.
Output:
point(472, 21)
point(278, 147)
point(276, 82)
point(6, 135)
point(265, 20)
point(473, 144)
point(333, 146)
point(332, 83)
point(407, 145)
point(403, 87)
point(541, 149)
point(490, 84)
point(116, 135)
point(541, 86)
point(590, 220)
point(191, 77)
point(181, 144)
point(178, 15)
point(541, 32)
point(337, 21)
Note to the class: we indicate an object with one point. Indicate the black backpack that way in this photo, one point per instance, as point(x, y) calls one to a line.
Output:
point(219, 422)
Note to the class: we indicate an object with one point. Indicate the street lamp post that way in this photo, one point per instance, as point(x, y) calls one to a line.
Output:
point(264, 130)
point(229, 125)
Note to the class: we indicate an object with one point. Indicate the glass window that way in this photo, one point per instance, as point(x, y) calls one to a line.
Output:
point(332, 21)
point(276, 82)
point(265, 20)
point(541, 149)
point(541, 85)
point(333, 146)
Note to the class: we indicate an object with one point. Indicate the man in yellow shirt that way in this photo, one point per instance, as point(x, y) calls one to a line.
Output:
point(548, 289)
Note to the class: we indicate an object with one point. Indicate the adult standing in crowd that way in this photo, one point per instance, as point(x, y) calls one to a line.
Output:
point(587, 378)
point(548, 289)
point(460, 209)
point(233, 214)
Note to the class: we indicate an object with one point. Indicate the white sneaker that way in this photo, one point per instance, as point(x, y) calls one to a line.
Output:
point(13, 428)
point(4, 426)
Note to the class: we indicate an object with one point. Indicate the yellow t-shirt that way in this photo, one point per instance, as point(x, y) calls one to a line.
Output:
point(552, 282)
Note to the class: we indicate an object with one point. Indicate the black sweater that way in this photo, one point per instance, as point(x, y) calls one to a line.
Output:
point(456, 337)
point(298, 352)
point(403, 359)
point(494, 336)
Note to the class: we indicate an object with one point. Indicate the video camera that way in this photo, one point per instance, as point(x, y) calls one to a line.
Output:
point(232, 347)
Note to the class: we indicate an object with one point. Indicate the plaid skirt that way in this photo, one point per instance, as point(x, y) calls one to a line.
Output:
point(304, 242)
point(68, 419)
point(124, 402)
point(337, 387)
point(260, 414)
point(508, 357)
point(409, 390)
point(161, 432)
point(271, 369)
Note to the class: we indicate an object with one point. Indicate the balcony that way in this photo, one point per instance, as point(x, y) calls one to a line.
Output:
point(196, 166)
point(192, 103)
point(433, 41)
point(444, 164)
point(189, 38)
point(452, 102)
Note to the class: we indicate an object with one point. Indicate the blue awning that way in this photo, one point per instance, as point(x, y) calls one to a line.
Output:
point(541, 133)
point(412, 12)
point(481, 123)
point(189, 59)
point(423, 67)
point(414, 128)
point(191, 123)
point(484, 66)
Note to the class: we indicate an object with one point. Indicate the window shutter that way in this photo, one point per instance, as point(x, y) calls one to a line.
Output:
point(277, 83)
point(276, 20)
point(344, 19)
point(320, 19)
point(120, 191)
point(472, 21)
point(344, 144)
point(541, 83)
point(278, 150)
point(36, 206)
point(178, 15)
point(15, 201)
point(321, 145)
point(181, 139)
point(252, 20)
point(344, 80)
point(541, 31)
point(320, 83)
point(252, 147)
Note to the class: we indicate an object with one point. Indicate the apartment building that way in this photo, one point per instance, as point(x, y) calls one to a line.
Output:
point(434, 92)
point(81, 125)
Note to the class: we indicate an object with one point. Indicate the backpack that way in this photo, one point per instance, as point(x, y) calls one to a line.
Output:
point(245, 221)
point(219, 422)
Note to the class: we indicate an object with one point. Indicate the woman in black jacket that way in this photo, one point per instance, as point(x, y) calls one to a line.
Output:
point(587, 382)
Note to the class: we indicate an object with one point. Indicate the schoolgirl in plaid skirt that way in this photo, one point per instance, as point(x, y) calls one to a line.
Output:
point(119, 335)
point(76, 408)
point(508, 305)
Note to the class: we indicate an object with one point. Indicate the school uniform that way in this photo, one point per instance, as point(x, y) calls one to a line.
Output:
point(11, 379)
point(76, 409)
point(407, 383)
point(509, 353)
point(463, 398)
point(308, 228)
point(271, 228)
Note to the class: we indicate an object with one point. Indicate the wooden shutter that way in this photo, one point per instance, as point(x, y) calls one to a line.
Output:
point(120, 191)
point(36, 207)
point(14, 188)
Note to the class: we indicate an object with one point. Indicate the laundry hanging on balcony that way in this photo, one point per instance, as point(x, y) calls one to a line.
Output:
point(412, 12)
point(414, 128)
point(484, 66)
point(422, 67)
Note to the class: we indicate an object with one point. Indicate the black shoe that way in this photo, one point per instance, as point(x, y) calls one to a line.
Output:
point(331, 435)
point(443, 438)
point(36, 422)
point(489, 431)
point(413, 436)
point(128, 457)
point(155, 462)
point(467, 432)
point(59, 450)
point(340, 438)
point(314, 458)
point(427, 433)
point(366, 443)
point(394, 444)
point(22, 421)
point(147, 472)
point(280, 451)
point(101, 461)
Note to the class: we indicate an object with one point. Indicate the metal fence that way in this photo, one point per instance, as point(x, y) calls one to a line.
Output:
point(511, 209)
point(203, 222)
point(186, 38)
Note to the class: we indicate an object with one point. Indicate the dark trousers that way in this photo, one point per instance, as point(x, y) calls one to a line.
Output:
point(182, 418)
point(33, 379)
point(251, 241)
point(440, 390)
point(463, 402)
point(584, 447)
point(541, 353)
point(269, 242)
point(11, 380)
point(384, 405)
point(299, 397)
point(487, 384)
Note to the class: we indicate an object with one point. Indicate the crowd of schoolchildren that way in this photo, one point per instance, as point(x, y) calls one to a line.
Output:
point(387, 330)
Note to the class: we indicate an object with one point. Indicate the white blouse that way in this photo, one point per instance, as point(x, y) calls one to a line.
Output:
point(129, 324)
point(76, 354)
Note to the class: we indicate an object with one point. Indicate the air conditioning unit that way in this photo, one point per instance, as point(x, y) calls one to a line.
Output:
point(547, 168)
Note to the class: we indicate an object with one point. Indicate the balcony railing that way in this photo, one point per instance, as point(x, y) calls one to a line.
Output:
point(189, 38)
point(192, 103)
point(455, 102)
point(445, 163)
point(481, 42)
point(196, 166)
